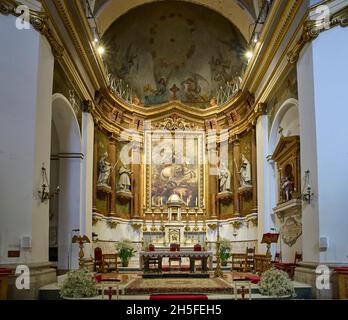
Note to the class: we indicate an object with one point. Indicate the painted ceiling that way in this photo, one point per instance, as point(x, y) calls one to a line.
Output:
point(174, 51)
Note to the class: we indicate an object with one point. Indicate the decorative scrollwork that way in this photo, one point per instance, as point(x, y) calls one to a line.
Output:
point(39, 21)
point(174, 122)
point(312, 29)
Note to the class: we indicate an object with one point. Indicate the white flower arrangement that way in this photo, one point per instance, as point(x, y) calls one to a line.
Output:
point(276, 283)
point(79, 284)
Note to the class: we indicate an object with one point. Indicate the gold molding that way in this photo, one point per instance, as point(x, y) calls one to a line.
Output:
point(39, 21)
point(311, 30)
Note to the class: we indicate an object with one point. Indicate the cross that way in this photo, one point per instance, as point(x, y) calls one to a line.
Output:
point(174, 89)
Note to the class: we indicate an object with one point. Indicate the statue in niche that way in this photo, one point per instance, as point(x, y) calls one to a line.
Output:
point(124, 182)
point(245, 172)
point(224, 179)
point(287, 185)
point(104, 168)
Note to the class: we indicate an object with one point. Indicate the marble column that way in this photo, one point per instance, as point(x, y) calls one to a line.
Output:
point(236, 178)
point(254, 169)
point(95, 168)
point(112, 159)
point(263, 177)
point(212, 181)
point(26, 77)
point(322, 85)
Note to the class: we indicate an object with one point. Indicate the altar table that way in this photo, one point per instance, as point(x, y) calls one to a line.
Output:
point(192, 255)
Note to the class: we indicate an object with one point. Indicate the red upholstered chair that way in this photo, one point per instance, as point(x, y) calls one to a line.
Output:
point(174, 247)
point(152, 261)
point(99, 264)
point(197, 247)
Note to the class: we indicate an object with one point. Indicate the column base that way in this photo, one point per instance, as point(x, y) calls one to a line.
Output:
point(41, 274)
point(305, 273)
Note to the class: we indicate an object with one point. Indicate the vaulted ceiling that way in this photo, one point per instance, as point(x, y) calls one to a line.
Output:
point(242, 13)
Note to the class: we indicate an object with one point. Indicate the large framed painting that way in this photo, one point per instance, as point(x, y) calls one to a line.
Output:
point(174, 165)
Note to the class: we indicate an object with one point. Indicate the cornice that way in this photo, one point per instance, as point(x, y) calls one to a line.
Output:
point(312, 29)
point(273, 45)
point(40, 22)
point(65, 15)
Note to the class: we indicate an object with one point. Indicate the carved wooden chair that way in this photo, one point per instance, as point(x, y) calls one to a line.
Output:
point(174, 247)
point(99, 264)
point(250, 259)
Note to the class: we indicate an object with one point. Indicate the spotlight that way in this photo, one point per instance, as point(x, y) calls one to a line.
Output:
point(101, 50)
point(256, 37)
point(249, 55)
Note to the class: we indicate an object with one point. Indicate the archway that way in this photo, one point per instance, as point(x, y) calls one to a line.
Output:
point(285, 123)
point(66, 166)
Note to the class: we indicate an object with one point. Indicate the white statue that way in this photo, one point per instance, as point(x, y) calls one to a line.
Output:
point(104, 167)
point(224, 179)
point(287, 188)
point(124, 182)
point(245, 172)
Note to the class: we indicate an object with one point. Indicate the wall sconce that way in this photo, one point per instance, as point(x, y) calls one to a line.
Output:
point(307, 193)
point(45, 193)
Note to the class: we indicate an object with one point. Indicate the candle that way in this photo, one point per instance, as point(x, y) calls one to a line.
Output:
point(196, 202)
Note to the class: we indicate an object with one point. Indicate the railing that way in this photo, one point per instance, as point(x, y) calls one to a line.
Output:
point(228, 91)
point(120, 88)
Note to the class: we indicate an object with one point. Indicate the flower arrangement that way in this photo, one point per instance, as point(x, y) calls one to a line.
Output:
point(125, 251)
point(276, 283)
point(79, 284)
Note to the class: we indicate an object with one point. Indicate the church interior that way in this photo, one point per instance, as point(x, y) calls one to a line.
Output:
point(173, 149)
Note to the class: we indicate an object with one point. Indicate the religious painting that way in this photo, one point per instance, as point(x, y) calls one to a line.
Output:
point(174, 167)
point(175, 51)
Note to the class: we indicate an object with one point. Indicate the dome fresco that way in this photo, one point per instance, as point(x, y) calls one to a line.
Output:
point(174, 51)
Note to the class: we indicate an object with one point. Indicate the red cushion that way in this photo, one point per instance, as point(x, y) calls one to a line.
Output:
point(341, 269)
point(253, 279)
point(5, 271)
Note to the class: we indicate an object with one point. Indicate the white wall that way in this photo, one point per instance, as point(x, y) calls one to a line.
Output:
point(26, 64)
point(322, 80)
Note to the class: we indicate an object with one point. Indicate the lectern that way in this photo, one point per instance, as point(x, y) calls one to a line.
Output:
point(269, 238)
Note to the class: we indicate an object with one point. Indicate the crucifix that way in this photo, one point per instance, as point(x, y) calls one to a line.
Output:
point(174, 89)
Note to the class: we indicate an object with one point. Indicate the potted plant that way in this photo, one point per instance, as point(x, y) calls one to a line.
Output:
point(225, 252)
point(79, 284)
point(125, 251)
point(276, 283)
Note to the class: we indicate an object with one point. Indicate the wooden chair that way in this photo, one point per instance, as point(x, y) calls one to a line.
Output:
point(99, 264)
point(174, 247)
point(290, 269)
point(262, 263)
point(110, 259)
point(238, 262)
point(250, 260)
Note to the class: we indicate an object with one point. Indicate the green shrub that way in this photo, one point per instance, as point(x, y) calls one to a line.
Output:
point(79, 284)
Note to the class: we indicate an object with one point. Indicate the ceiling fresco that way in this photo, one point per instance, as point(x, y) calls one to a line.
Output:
point(174, 51)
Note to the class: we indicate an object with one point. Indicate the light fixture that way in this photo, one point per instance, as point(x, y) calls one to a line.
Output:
point(307, 193)
point(45, 193)
point(256, 37)
point(249, 55)
point(101, 50)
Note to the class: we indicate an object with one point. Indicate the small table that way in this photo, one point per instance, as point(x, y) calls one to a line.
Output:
point(111, 283)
